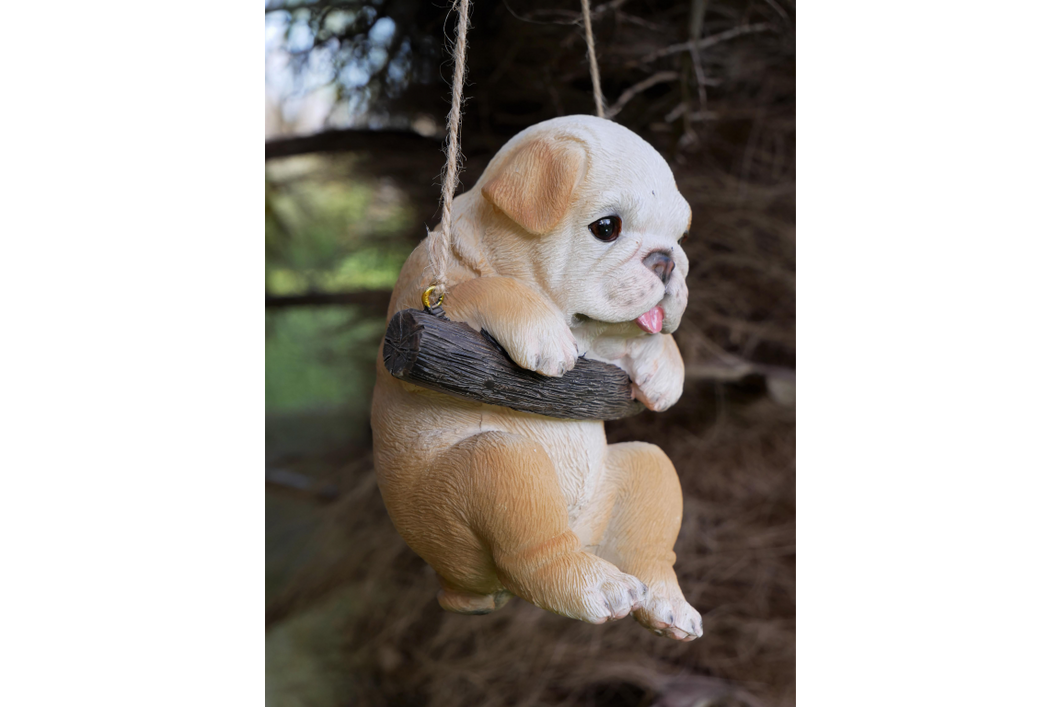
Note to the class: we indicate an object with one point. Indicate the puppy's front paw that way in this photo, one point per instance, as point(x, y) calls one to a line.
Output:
point(547, 347)
point(658, 372)
point(529, 327)
point(656, 399)
point(668, 614)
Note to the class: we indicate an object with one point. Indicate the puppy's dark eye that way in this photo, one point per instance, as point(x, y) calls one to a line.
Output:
point(683, 238)
point(607, 228)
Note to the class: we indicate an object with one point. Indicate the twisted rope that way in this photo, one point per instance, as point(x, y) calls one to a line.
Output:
point(439, 252)
point(598, 95)
point(438, 248)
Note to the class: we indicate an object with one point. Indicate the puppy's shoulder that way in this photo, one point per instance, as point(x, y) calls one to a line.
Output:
point(411, 282)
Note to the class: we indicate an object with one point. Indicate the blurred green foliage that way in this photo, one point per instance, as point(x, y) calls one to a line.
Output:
point(326, 230)
point(372, 268)
point(319, 357)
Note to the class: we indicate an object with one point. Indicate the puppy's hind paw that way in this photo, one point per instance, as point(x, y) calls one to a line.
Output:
point(470, 603)
point(614, 598)
point(667, 613)
point(582, 586)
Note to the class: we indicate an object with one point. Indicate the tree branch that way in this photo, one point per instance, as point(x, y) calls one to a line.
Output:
point(315, 6)
point(350, 141)
point(640, 87)
point(377, 300)
point(702, 43)
point(355, 140)
point(300, 485)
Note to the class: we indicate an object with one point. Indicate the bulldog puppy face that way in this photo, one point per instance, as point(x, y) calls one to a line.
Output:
point(599, 224)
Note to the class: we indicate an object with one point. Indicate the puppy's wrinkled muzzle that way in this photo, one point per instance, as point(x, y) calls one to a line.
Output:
point(661, 264)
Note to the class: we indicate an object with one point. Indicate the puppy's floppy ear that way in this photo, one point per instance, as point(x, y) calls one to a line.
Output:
point(533, 186)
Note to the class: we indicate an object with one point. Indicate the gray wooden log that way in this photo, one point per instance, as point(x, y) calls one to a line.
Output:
point(450, 357)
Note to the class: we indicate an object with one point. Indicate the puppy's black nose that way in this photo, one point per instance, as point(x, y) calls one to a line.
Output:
point(661, 264)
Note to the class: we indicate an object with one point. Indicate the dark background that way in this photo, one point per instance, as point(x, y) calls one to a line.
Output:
point(356, 95)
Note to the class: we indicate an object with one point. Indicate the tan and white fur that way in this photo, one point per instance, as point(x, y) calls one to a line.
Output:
point(500, 502)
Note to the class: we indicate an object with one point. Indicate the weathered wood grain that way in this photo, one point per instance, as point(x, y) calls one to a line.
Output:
point(432, 352)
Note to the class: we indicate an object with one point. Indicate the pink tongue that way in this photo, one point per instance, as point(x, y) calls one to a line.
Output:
point(652, 320)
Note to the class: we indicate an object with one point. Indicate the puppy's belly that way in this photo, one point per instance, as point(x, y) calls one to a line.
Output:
point(577, 449)
point(411, 428)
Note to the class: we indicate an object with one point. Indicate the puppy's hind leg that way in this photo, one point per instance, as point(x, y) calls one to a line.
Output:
point(461, 601)
point(640, 535)
point(515, 506)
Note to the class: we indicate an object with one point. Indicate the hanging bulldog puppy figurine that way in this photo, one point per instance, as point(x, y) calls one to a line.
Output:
point(569, 245)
